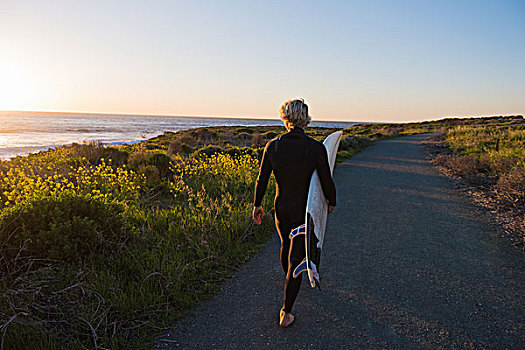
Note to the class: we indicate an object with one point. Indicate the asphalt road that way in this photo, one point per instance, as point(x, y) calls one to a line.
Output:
point(408, 263)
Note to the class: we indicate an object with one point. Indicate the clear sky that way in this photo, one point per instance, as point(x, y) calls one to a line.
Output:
point(350, 60)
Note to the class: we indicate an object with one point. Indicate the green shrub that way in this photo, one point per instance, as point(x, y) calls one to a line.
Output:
point(245, 130)
point(244, 136)
point(95, 151)
point(270, 134)
point(236, 151)
point(63, 227)
point(353, 142)
point(179, 147)
point(233, 151)
point(151, 173)
point(364, 130)
point(204, 134)
point(159, 159)
point(376, 135)
point(208, 150)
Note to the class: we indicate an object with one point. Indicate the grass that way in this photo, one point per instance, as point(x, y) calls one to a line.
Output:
point(503, 148)
point(109, 246)
point(93, 253)
point(491, 158)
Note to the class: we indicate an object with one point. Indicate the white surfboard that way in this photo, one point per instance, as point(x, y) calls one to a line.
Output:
point(316, 215)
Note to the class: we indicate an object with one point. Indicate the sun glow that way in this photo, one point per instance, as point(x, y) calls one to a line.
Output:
point(17, 87)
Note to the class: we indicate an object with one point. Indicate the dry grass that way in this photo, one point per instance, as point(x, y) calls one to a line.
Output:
point(494, 179)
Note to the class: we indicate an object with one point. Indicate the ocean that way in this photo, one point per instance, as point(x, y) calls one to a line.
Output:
point(22, 133)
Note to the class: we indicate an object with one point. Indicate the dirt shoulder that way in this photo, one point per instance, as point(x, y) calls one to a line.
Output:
point(481, 190)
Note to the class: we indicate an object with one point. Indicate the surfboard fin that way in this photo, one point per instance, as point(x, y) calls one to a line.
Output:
point(300, 268)
point(301, 230)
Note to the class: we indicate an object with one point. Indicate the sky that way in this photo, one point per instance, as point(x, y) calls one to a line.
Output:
point(349, 60)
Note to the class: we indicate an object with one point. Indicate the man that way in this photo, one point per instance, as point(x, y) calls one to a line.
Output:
point(292, 157)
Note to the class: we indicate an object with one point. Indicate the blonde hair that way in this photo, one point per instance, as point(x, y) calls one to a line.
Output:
point(295, 113)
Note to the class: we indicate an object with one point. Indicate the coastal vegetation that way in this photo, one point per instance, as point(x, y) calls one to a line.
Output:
point(105, 247)
point(490, 159)
point(99, 254)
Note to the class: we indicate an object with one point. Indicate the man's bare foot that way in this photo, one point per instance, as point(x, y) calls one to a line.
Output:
point(286, 319)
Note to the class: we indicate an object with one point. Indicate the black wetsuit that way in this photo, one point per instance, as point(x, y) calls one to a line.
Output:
point(293, 157)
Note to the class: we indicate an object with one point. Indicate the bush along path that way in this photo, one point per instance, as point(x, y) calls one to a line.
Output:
point(408, 262)
point(488, 163)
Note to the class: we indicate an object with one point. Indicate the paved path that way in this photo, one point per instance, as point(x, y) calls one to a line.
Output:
point(408, 263)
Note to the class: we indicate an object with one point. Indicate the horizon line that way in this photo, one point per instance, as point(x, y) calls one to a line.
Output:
point(260, 118)
point(174, 116)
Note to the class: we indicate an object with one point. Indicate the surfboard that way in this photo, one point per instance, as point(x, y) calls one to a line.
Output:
point(316, 215)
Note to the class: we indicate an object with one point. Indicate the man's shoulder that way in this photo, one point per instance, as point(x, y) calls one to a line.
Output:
point(272, 142)
point(317, 149)
point(316, 144)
